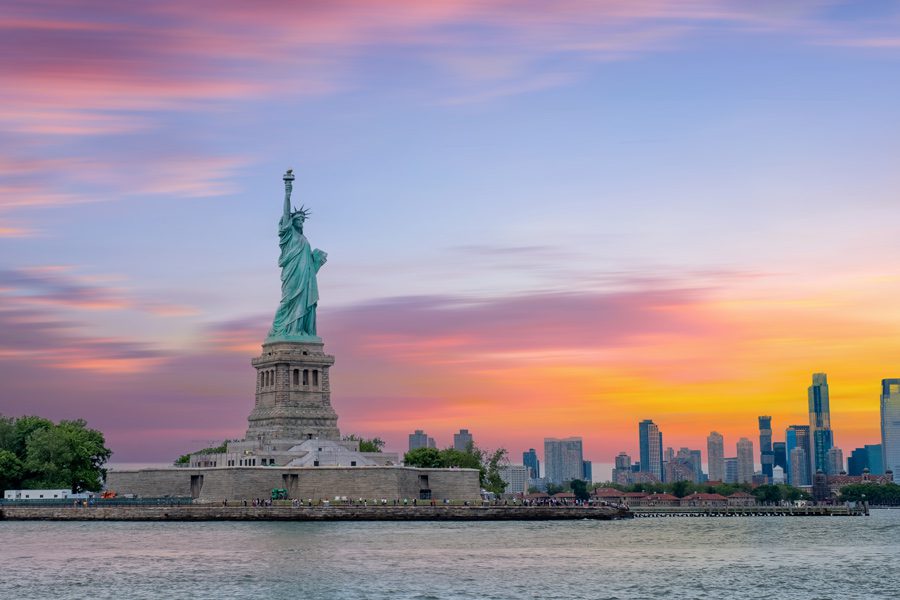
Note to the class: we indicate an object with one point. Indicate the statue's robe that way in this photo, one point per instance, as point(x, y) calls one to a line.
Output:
point(299, 264)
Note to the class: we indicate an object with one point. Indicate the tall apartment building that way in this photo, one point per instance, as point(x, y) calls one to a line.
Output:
point(697, 462)
point(731, 470)
point(650, 438)
point(563, 459)
point(530, 460)
point(797, 436)
point(890, 425)
point(715, 453)
point(799, 465)
point(868, 457)
point(420, 439)
point(835, 461)
point(744, 461)
point(779, 451)
point(766, 453)
point(463, 441)
point(623, 474)
point(821, 438)
point(516, 478)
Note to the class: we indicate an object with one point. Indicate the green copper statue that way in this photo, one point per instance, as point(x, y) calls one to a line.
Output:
point(296, 316)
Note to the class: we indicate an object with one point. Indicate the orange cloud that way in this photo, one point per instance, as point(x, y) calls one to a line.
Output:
point(594, 364)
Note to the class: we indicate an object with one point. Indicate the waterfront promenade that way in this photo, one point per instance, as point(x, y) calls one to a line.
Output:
point(311, 513)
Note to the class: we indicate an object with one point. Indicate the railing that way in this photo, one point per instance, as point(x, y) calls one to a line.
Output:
point(80, 502)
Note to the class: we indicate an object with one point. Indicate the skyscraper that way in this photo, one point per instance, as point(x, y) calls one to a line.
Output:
point(890, 425)
point(797, 436)
point(530, 460)
point(744, 461)
point(731, 470)
point(778, 475)
point(516, 478)
point(563, 459)
point(868, 457)
point(420, 439)
point(835, 461)
point(587, 471)
point(799, 465)
point(622, 473)
point(821, 437)
point(697, 462)
point(715, 453)
point(779, 450)
point(650, 438)
point(462, 441)
point(766, 454)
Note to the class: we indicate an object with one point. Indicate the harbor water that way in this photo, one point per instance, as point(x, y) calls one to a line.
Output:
point(750, 557)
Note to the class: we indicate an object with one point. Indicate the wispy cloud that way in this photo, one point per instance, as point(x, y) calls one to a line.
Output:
point(546, 363)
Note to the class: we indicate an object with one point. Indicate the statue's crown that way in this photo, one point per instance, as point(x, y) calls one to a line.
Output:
point(301, 212)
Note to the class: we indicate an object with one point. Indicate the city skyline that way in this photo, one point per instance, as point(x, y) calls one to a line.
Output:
point(562, 224)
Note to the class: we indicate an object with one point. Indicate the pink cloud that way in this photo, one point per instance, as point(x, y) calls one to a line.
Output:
point(65, 64)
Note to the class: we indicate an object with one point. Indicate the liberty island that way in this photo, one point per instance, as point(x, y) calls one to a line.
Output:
point(293, 442)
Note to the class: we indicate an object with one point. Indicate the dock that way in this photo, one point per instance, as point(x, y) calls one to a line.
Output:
point(200, 512)
point(749, 511)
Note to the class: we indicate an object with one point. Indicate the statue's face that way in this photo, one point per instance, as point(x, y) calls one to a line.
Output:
point(298, 222)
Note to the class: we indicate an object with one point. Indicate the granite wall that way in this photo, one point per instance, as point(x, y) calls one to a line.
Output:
point(237, 483)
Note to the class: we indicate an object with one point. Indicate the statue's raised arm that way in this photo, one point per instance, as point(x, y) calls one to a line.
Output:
point(296, 316)
point(288, 187)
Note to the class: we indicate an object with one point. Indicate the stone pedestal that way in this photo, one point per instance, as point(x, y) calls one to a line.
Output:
point(293, 396)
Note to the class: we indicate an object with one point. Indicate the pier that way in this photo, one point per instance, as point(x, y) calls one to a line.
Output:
point(749, 511)
point(200, 512)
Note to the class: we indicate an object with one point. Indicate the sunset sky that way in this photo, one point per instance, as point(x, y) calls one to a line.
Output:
point(542, 218)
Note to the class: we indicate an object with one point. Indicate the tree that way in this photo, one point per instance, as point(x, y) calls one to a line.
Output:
point(579, 488)
point(768, 494)
point(35, 453)
point(680, 489)
point(425, 458)
point(185, 459)
point(493, 482)
point(883, 495)
point(67, 455)
point(24, 428)
point(488, 464)
point(366, 445)
point(7, 434)
point(11, 469)
point(553, 488)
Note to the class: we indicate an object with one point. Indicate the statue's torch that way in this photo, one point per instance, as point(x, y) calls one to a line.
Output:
point(288, 184)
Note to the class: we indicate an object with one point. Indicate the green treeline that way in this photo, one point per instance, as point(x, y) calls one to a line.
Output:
point(375, 444)
point(36, 453)
point(487, 463)
point(185, 459)
point(680, 489)
point(873, 493)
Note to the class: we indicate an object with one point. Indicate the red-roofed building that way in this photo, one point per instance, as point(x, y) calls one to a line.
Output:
point(698, 499)
point(537, 496)
point(741, 499)
point(565, 496)
point(660, 500)
point(836, 482)
point(610, 495)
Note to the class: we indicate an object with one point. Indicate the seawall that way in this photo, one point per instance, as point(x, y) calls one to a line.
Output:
point(314, 513)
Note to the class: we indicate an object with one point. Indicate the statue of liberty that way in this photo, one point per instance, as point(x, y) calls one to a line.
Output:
point(296, 316)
